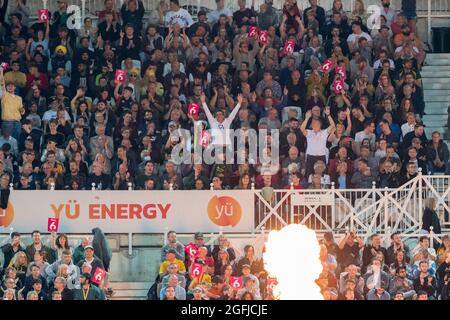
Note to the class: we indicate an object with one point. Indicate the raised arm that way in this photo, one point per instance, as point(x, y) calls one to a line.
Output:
point(2, 81)
point(47, 30)
point(236, 108)
point(330, 120)
point(305, 122)
point(205, 107)
point(349, 122)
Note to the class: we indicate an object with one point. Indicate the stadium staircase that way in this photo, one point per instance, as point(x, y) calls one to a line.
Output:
point(130, 290)
point(436, 83)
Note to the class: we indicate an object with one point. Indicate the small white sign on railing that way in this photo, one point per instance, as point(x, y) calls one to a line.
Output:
point(324, 199)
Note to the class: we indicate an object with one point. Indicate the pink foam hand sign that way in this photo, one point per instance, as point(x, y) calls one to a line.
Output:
point(120, 76)
point(338, 86)
point(340, 70)
point(196, 270)
point(236, 282)
point(52, 224)
point(327, 66)
point(205, 138)
point(193, 109)
point(43, 15)
point(253, 31)
point(4, 65)
point(99, 275)
point(263, 36)
point(289, 46)
point(191, 250)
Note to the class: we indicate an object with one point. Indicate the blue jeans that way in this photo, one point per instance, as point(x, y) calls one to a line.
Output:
point(14, 127)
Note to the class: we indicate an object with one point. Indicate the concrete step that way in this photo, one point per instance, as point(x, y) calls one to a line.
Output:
point(434, 117)
point(438, 98)
point(434, 74)
point(429, 85)
point(130, 293)
point(438, 62)
point(435, 68)
point(438, 89)
point(436, 107)
point(431, 56)
point(441, 129)
point(435, 123)
point(130, 285)
point(130, 290)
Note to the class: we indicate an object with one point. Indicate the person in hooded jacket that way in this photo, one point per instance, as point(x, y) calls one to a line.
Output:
point(104, 253)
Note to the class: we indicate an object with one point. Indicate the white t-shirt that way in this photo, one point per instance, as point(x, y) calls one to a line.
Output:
point(180, 17)
point(317, 142)
point(407, 128)
point(220, 132)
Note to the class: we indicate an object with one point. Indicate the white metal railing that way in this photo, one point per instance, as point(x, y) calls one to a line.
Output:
point(426, 9)
point(365, 210)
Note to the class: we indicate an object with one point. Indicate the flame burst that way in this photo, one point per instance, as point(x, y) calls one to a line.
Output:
point(292, 256)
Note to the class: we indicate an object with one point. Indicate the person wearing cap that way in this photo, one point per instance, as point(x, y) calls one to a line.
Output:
point(87, 290)
point(91, 259)
point(171, 259)
point(60, 58)
point(11, 107)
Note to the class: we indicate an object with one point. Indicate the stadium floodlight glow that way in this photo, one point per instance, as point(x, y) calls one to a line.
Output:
point(292, 256)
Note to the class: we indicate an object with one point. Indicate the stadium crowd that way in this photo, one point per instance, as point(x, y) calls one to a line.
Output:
point(346, 97)
point(67, 123)
point(352, 269)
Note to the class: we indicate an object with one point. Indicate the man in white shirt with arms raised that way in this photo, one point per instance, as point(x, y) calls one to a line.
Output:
point(316, 140)
point(220, 126)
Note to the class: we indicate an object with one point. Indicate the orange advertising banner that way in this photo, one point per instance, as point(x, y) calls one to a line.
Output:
point(130, 211)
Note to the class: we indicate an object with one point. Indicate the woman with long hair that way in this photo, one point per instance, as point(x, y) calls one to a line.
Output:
point(244, 182)
point(223, 259)
point(406, 106)
point(61, 244)
point(74, 147)
point(20, 263)
point(400, 261)
point(336, 8)
point(227, 272)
